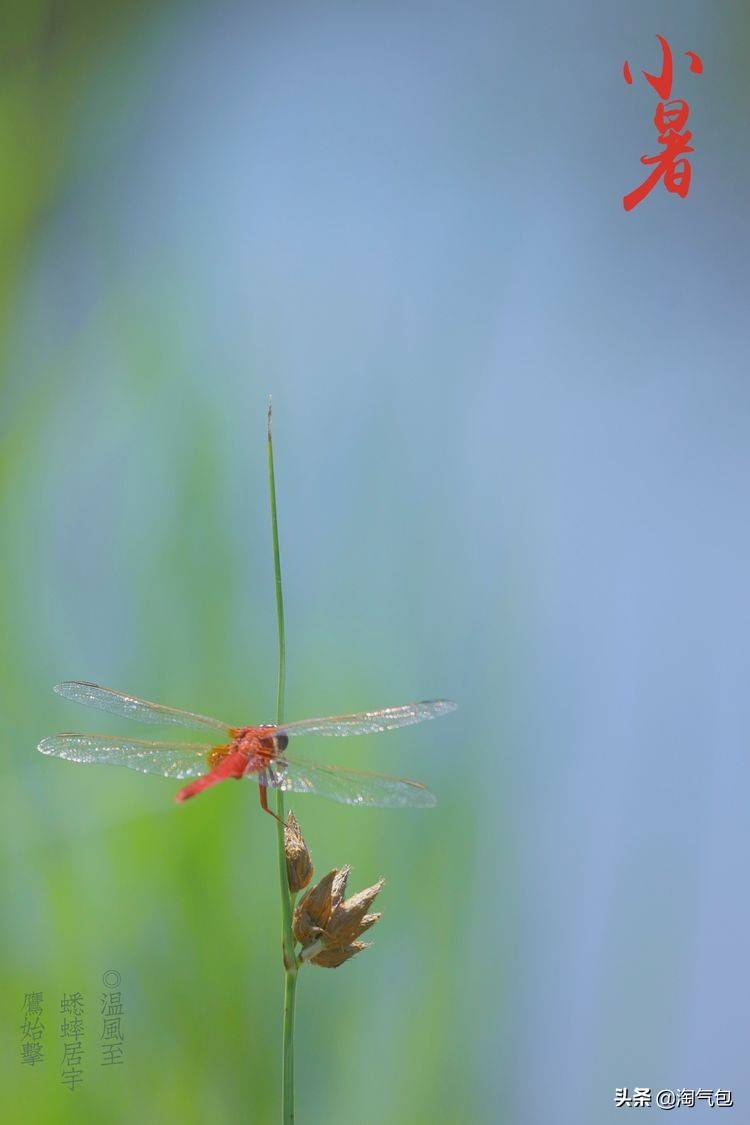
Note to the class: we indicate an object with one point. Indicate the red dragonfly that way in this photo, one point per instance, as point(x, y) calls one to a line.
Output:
point(256, 752)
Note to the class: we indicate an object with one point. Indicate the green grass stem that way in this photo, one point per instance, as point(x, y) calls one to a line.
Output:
point(287, 935)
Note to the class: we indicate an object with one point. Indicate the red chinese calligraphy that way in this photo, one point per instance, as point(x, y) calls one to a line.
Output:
point(671, 164)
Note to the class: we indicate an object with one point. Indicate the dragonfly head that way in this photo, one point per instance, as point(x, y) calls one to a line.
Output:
point(271, 742)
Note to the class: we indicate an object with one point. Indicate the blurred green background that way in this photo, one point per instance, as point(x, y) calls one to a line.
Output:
point(512, 460)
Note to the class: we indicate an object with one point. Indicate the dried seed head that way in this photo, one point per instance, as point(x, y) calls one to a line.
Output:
point(346, 921)
point(332, 958)
point(314, 909)
point(299, 866)
point(328, 925)
point(338, 889)
point(367, 921)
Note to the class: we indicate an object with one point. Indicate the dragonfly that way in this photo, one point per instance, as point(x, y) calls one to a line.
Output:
point(257, 752)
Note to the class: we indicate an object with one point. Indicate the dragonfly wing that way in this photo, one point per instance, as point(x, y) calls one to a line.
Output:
point(350, 787)
point(170, 759)
point(117, 703)
point(369, 722)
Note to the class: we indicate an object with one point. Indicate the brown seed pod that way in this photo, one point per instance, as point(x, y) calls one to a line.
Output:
point(327, 925)
point(346, 921)
point(299, 868)
point(314, 909)
point(332, 958)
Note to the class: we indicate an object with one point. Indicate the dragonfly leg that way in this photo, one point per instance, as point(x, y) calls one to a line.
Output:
point(263, 794)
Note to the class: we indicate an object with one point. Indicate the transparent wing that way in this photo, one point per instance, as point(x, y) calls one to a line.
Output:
point(368, 722)
point(350, 787)
point(117, 703)
point(170, 759)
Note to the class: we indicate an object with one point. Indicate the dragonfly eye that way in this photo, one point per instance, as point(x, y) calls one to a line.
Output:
point(282, 741)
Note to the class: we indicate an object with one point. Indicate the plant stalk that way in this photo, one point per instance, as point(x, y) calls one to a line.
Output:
point(287, 934)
